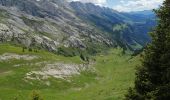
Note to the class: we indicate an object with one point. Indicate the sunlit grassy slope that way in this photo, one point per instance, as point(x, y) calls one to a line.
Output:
point(114, 74)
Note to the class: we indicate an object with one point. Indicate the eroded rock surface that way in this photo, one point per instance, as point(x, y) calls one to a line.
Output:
point(58, 70)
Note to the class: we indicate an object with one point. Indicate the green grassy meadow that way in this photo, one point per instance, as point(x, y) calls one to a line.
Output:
point(114, 74)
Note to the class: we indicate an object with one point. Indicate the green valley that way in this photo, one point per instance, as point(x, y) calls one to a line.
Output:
point(77, 49)
point(111, 75)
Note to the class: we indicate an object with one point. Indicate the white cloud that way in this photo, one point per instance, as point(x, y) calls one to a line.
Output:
point(137, 5)
point(97, 2)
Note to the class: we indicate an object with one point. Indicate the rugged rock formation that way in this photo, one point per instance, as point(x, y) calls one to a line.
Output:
point(50, 24)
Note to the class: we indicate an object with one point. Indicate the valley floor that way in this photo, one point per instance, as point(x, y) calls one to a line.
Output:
point(111, 75)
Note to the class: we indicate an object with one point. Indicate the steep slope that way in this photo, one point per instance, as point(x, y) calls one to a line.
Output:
point(46, 24)
point(53, 24)
point(128, 29)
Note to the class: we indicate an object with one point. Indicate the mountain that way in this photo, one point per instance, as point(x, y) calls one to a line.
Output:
point(57, 25)
point(35, 34)
point(128, 29)
point(145, 13)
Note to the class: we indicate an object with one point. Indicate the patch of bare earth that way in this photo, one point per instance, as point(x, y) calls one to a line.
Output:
point(58, 70)
point(10, 56)
point(5, 73)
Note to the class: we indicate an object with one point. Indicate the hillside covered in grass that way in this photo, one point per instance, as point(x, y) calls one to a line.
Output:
point(107, 77)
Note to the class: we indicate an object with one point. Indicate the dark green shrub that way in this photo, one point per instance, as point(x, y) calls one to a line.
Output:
point(68, 52)
point(36, 96)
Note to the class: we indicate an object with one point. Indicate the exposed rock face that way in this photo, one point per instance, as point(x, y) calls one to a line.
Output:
point(50, 24)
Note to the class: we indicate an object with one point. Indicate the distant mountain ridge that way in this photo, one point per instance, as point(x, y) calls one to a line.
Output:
point(133, 27)
point(54, 24)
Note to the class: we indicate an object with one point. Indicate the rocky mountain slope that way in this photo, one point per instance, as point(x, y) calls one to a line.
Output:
point(128, 29)
point(54, 24)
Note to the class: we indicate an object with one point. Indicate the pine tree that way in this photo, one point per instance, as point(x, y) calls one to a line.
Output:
point(153, 76)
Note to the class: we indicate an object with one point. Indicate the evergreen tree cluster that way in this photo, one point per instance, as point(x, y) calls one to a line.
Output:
point(153, 76)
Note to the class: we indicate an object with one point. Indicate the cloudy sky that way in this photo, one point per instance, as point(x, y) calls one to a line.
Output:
point(127, 5)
